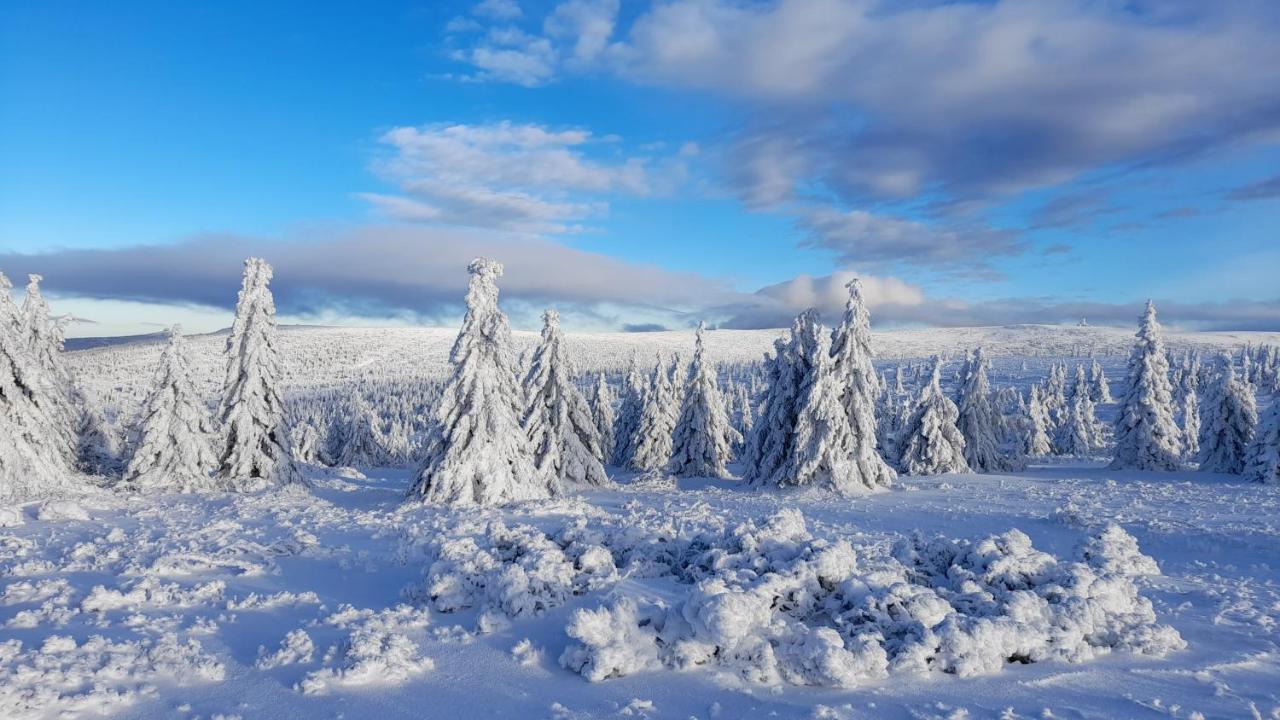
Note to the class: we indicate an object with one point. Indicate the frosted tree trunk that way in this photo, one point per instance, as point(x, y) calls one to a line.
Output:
point(476, 452)
point(557, 418)
point(175, 430)
point(1147, 436)
point(257, 451)
point(859, 388)
point(703, 438)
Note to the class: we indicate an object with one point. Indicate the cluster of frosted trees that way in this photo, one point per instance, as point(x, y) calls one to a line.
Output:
point(50, 433)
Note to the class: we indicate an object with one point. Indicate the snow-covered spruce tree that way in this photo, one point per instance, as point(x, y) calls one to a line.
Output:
point(307, 442)
point(1191, 423)
point(703, 439)
point(1080, 433)
point(602, 415)
point(1262, 457)
point(256, 452)
point(362, 443)
point(1147, 436)
point(476, 451)
point(978, 421)
point(770, 443)
point(651, 441)
point(930, 443)
point(557, 418)
point(1227, 421)
point(97, 451)
point(47, 376)
point(1054, 396)
point(1099, 388)
point(174, 430)
point(630, 410)
point(859, 388)
point(1035, 428)
point(33, 456)
point(744, 415)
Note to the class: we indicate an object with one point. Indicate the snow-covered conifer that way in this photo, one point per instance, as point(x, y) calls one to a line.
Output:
point(1227, 421)
point(1035, 429)
point(174, 430)
point(97, 451)
point(257, 451)
point(1054, 396)
point(703, 439)
point(770, 443)
point(362, 443)
point(859, 388)
point(930, 443)
point(630, 410)
point(476, 451)
point(602, 415)
point(1191, 423)
point(652, 438)
point(1262, 457)
point(557, 418)
point(978, 421)
point(1099, 388)
point(1147, 436)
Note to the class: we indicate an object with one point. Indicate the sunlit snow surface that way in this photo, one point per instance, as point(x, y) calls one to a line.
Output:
point(346, 603)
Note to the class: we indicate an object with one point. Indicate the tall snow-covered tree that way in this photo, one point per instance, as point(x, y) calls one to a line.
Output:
point(1191, 422)
point(652, 437)
point(257, 451)
point(859, 388)
point(97, 451)
point(771, 438)
point(1147, 436)
point(557, 418)
point(630, 410)
point(33, 449)
point(174, 451)
point(1054, 396)
point(1099, 388)
point(703, 439)
point(930, 443)
point(602, 415)
point(1262, 457)
point(476, 451)
point(1227, 421)
point(1035, 429)
point(48, 377)
point(978, 421)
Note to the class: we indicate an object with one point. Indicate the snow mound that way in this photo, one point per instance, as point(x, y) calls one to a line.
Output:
point(378, 650)
point(63, 677)
point(11, 517)
point(61, 510)
point(772, 604)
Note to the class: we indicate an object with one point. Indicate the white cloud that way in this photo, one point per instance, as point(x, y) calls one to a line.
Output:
point(498, 9)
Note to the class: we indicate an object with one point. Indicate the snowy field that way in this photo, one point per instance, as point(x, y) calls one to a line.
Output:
point(693, 598)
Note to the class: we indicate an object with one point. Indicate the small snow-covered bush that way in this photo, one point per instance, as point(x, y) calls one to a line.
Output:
point(773, 604)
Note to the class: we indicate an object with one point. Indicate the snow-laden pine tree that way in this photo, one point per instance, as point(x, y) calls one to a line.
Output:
point(557, 418)
point(476, 451)
point(1147, 436)
point(978, 421)
point(770, 443)
point(859, 388)
point(174, 430)
point(97, 452)
point(1035, 427)
point(33, 454)
point(1080, 433)
point(744, 415)
point(630, 410)
point(307, 442)
point(651, 441)
point(1227, 421)
point(43, 337)
point(1262, 457)
point(1099, 388)
point(362, 443)
point(823, 447)
point(930, 443)
point(257, 451)
point(1190, 423)
point(602, 415)
point(1054, 396)
point(703, 439)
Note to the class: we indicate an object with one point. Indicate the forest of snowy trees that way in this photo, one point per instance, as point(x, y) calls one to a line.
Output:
point(814, 412)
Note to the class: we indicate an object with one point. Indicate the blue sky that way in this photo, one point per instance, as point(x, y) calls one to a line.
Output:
point(637, 164)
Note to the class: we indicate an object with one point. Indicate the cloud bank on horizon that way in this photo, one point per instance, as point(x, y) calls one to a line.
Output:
point(653, 164)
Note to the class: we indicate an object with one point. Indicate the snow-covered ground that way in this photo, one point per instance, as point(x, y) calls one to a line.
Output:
point(697, 599)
